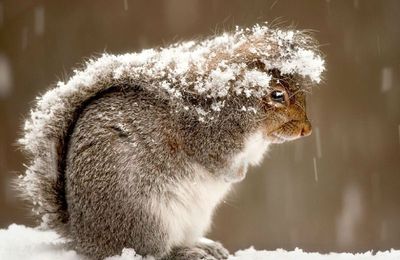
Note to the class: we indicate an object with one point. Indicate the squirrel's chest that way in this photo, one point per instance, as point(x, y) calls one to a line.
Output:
point(187, 209)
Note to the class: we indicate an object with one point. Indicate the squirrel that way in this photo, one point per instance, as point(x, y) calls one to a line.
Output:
point(137, 150)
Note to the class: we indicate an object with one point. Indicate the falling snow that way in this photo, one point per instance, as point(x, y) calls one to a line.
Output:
point(315, 169)
point(39, 20)
point(318, 142)
point(126, 5)
point(349, 219)
point(5, 76)
point(356, 4)
point(387, 79)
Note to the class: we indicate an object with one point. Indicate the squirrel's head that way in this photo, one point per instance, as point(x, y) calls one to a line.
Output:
point(284, 106)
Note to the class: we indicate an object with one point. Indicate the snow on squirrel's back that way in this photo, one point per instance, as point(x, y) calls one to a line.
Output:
point(19, 242)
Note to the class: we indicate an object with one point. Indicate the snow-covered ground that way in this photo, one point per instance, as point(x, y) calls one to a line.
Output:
point(20, 242)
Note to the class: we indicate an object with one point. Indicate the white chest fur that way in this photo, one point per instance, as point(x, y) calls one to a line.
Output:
point(254, 149)
point(253, 152)
point(187, 209)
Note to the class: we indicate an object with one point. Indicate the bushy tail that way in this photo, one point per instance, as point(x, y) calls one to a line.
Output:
point(46, 134)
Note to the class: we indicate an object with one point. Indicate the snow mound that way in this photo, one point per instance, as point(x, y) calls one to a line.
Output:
point(20, 242)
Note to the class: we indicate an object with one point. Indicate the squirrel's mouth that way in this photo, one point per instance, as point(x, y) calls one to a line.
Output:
point(279, 138)
point(290, 131)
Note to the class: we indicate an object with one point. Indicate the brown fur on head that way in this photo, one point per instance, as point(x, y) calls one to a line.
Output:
point(285, 117)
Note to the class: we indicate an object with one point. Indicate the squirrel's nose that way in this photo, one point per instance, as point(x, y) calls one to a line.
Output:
point(307, 129)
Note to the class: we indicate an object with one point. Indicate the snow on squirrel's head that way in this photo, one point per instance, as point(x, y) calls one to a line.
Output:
point(238, 64)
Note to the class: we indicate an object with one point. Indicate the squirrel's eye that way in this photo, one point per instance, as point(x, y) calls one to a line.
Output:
point(278, 96)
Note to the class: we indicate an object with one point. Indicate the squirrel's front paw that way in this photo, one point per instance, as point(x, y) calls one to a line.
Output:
point(190, 253)
point(236, 174)
point(215, 249)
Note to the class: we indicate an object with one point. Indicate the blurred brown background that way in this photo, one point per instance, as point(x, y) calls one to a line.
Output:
point(337, 190)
